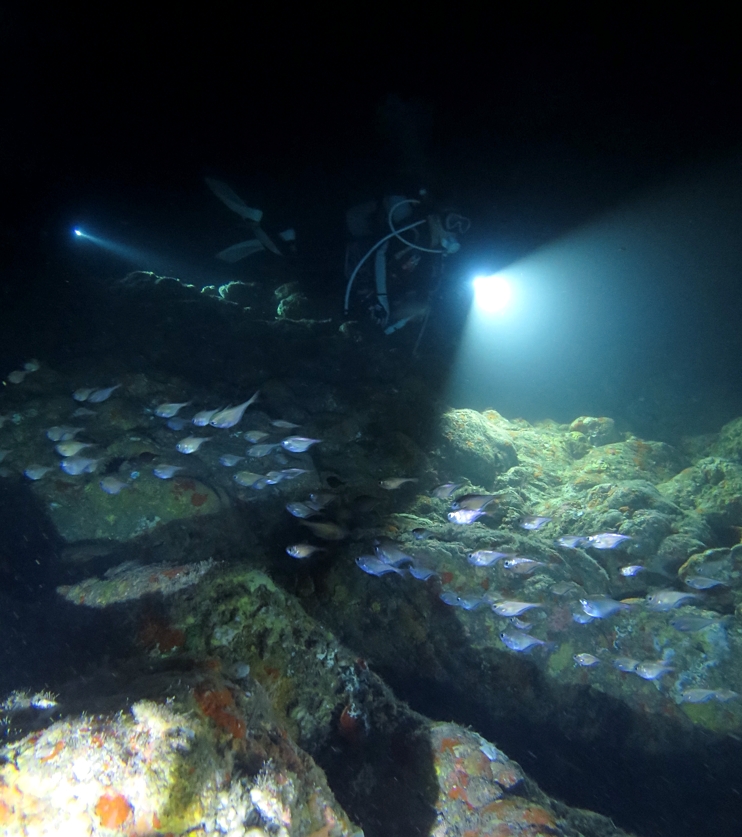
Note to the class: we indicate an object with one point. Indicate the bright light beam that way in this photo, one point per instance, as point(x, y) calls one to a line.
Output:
point(492, 293)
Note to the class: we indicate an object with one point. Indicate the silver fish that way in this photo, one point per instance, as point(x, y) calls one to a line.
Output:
point(602, 606)
point(373, 566)
point(298, 444)
point(390, 552)
point(700, 582)
point(255, 436)
point(32, 365)
point(421, 573)
point(71, 448)
point(631, 570)
point(112, 485)
point(651, 671)
point(75, 465)
point(36, 472)
point(705, 695)
point(83, 412)
point(170, 410)
point(692, 623)
point(293, 473)
point(17, 376)
point(393, 483)
point(605, 540)
point(464, 517)
point(508, 609)
point(232, 415)
point(522, 566)
point(304, 550)
point(443, 492)
point(83, 393)
point(517, 641)
point(166, 472)
point(476, 502)
point(627, 664)
point(452, 598)
point(285, 425)
point(668, 599)
point(485, 557)
point(191, 444)
point(300, 510)
point(229, 460)
point(247, 478)
point(326, 530)
point(258, 451)
point(176, 424)
point(533, 522)
point(62, 433)
point(582, 618)
point(570, 541)
point(97, 396)
point(586, 660)
point(202, 418)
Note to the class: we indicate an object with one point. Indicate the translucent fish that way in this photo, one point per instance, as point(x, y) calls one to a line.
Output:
point(191, 444)
point(373, 566)
point(586, 660)
point(522, 566)
point(533, 522)
point(475, 502)
point(326, 530)
point(421, 573)
point(32, 365)
point(258, 451)
point(232, 415)
point(17, 376)
point(300, 510)
point(631, 570)
point(508, 609)
point(75, 465)
point(602, 607)
point(62, 433)
point(485, 557)
point(700, 582)
point(570, 541)
point(705, 695)
point(71, 448)
point(170, 410)
point(393, 483)
point(304, 550)
point(112, 485)
point(627, 664)
point(36, 472)
point(229, 460)
point(255, 436)
point(605, 540)
point(463, 517)
point(166, 472)
point(97, 396)
point(274, 477)
point(83, 393)
point(293, 473)
point(83, 412)
point(652, 671)
point(443, 492)
point(517, 641)
point(298, 444)
point(668, 599)
point(247, 478)
point(202, 418)
point(285, 425)
point(692, 623)
point(389, 551)
point(582, 618)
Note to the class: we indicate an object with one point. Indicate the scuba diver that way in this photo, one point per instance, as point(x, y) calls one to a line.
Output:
point(394, 264)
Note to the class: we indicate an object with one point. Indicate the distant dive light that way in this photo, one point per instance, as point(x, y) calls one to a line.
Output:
point(78, 231)
point(492, 293)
